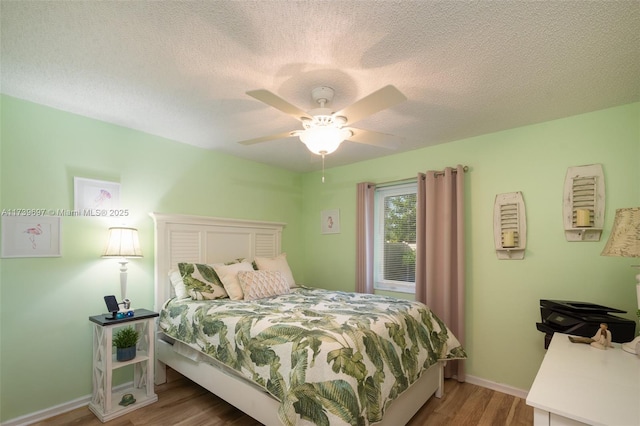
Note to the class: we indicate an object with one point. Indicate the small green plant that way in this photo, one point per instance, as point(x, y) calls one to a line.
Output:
point(125, 338)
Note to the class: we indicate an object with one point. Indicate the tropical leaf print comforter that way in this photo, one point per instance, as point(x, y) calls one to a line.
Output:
point(327, 357)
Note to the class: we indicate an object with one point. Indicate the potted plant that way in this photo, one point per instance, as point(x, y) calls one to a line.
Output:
point(125, 341)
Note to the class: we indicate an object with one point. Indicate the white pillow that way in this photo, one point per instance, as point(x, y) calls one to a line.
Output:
point(178, 284)
point(260, 284)
point(228, 274)
point(278, 263)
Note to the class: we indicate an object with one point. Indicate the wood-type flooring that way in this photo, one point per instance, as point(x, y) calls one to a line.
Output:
point(184, 403)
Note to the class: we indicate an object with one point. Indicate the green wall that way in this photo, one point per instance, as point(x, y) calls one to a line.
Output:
point(503, 295)
point(45, 302)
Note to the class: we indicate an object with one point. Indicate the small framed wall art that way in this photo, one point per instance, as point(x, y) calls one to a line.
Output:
point(330, 221)
point(95, 194)
point(30, 236)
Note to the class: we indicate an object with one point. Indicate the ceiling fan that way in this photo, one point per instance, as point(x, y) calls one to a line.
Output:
point(323, 129)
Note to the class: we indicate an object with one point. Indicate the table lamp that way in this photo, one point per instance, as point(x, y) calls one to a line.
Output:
point(624, 241)
point(123, 243)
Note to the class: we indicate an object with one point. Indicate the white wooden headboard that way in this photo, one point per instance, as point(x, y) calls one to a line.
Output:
point(200, 239)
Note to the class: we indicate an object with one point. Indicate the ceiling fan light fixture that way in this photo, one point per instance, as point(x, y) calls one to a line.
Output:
point(324, 128)
point(323, 140)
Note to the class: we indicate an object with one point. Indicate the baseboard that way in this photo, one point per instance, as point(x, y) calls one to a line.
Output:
point(57, 409)
point(500, 387)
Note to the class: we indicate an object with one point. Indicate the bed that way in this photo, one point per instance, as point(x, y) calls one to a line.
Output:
point(295, 355)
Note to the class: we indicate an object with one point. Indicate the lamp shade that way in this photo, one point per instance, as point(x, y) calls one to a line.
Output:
point(123, 242)
point(624, 240)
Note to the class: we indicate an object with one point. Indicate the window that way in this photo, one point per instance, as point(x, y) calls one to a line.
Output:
point(394, 243)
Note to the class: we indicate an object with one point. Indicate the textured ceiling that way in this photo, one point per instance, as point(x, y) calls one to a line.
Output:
point(181, 69)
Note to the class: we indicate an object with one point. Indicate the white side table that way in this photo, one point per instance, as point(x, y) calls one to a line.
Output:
point(104, 401)
point(578, 384)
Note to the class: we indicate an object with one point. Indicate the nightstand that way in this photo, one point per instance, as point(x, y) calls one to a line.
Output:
point(104, 401)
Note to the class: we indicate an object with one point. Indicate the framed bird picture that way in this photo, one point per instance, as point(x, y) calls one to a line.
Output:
point(30, 236)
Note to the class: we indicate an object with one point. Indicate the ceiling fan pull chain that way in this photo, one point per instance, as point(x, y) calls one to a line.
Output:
point(322, 168)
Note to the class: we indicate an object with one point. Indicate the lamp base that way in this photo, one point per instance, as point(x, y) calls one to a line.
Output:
point(632, 346)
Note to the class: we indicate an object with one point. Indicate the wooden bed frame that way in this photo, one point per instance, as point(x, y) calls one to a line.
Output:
point(197, 239)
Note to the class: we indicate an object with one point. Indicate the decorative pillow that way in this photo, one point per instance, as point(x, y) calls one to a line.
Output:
point(260, 284)
point(178, 284)
point(278, 263)
point(229, 276)
point(201, 281)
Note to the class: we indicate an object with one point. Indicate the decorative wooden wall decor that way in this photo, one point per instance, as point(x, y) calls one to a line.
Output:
point(583, 207)
point(510, 226)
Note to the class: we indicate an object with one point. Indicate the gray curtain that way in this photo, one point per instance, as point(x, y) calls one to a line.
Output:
point(364, 237)
point(440, 274)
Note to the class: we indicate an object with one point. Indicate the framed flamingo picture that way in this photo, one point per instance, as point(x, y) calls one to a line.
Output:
point(91, 194)
point(31, 236)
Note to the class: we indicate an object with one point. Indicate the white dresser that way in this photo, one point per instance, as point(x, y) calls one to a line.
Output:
point(578, 384)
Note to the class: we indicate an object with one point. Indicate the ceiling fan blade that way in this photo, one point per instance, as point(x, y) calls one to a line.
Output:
point(381, 99)
point(277, 102)
point(254, 141)
point(378, 139)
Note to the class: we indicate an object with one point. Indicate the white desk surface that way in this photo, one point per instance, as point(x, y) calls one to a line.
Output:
point(593, 386)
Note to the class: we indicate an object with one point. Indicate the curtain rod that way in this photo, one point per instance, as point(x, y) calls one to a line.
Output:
point(411, 179)
point(464, 169)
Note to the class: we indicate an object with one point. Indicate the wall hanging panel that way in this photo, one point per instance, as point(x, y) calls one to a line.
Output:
point(583, 207)
point(510, 226)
